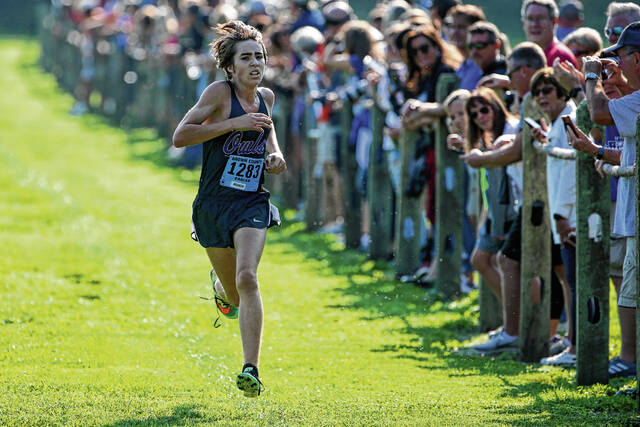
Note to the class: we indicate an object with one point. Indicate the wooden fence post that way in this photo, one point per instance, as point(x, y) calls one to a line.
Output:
point(449, 200)
point(312, 186)
point(592, 266)
point(535, 280)
point(409, 217)
point(352, 214)
point(379, 190)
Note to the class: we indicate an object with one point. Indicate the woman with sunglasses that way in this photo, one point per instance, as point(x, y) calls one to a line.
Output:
point(487, 121)
point(583, 42)
point(427, 57)
point(554, 101)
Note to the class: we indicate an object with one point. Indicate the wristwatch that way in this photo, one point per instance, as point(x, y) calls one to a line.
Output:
point(575, 91)
point(600, 153)
point(591, 76)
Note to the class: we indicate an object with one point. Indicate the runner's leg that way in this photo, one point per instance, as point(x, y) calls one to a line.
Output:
point(249, 243)
point(223, 261)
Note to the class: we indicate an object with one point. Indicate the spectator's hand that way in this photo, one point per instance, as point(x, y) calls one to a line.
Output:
point(495, 81)
point(252, 121)
point(455, 142)
point(412, 117)
point(568, 76)
point(591, 64)
point(565, 231)
point(581, 141)
point(275, 164)
point(539, 135)
point(473, 158)
point(503, 140)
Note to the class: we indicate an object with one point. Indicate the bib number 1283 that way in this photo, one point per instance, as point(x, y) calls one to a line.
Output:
point(242, 173)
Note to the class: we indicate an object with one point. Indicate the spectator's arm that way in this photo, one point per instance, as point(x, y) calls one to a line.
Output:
point(597, 101)
point(584, 144)
point(199, 124)
point(505, 155)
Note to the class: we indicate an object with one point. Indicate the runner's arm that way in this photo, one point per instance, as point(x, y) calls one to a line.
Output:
point(197, 127)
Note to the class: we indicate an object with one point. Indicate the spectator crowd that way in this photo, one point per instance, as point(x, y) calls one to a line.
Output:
point(321, 54)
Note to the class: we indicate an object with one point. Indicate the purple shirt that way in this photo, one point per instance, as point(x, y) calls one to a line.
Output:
point(469, 74)
point(613, 141)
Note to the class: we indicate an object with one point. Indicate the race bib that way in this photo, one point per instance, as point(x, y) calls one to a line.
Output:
point(242, 173)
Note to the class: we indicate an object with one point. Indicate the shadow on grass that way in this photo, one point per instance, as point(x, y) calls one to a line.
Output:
point(372, 289)
point(182, 415)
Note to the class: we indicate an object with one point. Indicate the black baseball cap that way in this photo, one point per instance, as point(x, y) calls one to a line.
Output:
point(629, 37)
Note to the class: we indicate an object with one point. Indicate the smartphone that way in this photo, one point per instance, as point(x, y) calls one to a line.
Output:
point(569, 123)
point(532, 123)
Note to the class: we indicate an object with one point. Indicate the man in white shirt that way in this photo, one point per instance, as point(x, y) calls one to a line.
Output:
point(623, 113)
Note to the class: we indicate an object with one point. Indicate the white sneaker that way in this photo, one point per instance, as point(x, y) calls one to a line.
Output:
point(565, 359)
point(498, 343)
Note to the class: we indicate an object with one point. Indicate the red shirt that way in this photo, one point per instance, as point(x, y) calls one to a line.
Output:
point(557, 49)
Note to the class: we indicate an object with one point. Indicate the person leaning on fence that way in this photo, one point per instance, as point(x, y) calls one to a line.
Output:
point(457, 126)
point(619, 15)
point(555, 102)
point(623, 112)
point(426, 56)
point(488, 121)
point(523, 62)
point(360, 41)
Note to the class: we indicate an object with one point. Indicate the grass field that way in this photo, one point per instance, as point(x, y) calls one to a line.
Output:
point(101, 321)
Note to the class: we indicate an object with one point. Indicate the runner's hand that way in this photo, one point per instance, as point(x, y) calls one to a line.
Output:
point(275, 164)
point(252, 121)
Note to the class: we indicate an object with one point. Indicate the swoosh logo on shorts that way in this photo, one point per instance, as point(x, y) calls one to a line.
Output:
point(256, 220)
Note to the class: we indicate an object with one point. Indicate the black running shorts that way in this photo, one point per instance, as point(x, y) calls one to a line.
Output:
point(214, 221)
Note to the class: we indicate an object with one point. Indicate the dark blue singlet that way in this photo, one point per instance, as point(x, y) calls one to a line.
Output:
point(216, 152)
point(218, 210)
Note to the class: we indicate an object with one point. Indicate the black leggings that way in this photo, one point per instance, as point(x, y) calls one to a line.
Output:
point(557, 297)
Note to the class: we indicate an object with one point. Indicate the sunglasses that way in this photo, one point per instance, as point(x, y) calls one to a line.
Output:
point(613, 31)
point(425, 48)
point(545, 91)
point(512, 72)
point(478, 45)
point(474, 114)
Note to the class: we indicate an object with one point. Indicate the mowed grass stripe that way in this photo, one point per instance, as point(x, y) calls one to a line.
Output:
point(101, 324)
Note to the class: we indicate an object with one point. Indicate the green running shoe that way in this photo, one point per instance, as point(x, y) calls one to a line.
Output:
point(248, 382)
point(229, 311)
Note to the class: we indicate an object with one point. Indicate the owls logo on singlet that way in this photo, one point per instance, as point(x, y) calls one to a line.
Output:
point(241, 172)
point(235, 145)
